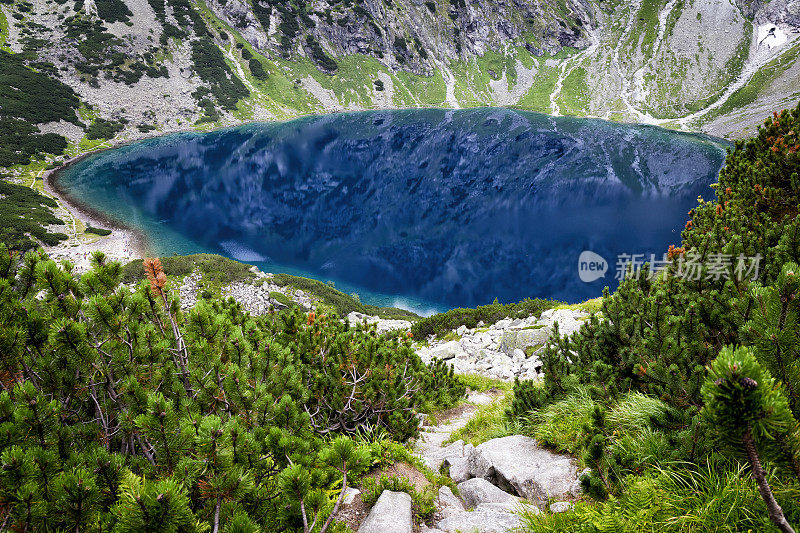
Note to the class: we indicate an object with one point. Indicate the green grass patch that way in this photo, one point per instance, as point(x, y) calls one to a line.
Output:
point(340, 302)
point(214, 268)
point(760, 81)
point(98, 231)
point(451, 336)
point(488, 422)
point(575, 97)
point(538, 96)
point(479, 383)
point(595, 305)
point(560, 425)
point(682, 498)
point(645, 28)
point(427, 90)
point(282, 299)
point(3, 30)
point(471, 83)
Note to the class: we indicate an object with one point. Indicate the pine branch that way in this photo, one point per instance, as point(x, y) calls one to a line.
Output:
point(775, 511)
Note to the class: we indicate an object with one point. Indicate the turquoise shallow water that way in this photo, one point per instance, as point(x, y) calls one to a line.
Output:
point(426, 209)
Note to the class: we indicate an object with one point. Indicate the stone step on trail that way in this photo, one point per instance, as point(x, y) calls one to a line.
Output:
point(390, 514)
point(497, 480)
point(519, 465)
point(477, 490)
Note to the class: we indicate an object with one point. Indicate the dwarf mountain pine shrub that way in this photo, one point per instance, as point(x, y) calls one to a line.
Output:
point(665, 336)
point(120, 412)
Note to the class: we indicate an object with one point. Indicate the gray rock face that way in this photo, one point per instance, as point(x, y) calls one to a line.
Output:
point(449, 502)
point(523, 338)
point(505, 350)
point(447, 351)
point(519, 465)
point(477, 490)
point(486, 518)
point(390, 514)
point(458, 468)
point(350, 495)
point(566, 320)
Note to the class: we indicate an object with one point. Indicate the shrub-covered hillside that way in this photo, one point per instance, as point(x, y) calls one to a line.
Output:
point(684, 398)
point(118, 412)
point(25, 215)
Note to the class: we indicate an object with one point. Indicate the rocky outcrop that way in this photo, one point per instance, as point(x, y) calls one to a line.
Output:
point(477, 490)
point(486, 518)
point(520, 466)
point(505, 350)
point(412, 35)
point(497, 480)
point(256, 296)
point(390, 514)
point(383, 325)
point(485, 508)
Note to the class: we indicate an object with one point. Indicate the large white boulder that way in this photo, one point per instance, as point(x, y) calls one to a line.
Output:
point(566, 319)
point(518, 464)
point(486, 518)
point(390, 514)
point(448, 502)
point(519, 339)
point(447, 351)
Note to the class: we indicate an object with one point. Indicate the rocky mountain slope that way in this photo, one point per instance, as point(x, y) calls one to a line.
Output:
point(142, 66)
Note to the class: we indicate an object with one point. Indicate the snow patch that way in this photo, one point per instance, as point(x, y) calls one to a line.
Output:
point(771, 36)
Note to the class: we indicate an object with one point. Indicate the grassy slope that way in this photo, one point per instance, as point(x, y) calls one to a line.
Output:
point(3, 30)
point(759, 83)
point(217, 271)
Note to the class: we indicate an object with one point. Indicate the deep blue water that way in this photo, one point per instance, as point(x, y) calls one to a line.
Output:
point(428, 209)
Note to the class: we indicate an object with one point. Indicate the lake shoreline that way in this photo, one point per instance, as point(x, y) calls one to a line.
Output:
point(126, 243)
point(138, 244)
point(431, 127)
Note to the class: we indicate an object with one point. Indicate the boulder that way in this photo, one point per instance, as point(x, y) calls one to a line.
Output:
point(560, 507)
point(485, 519)
point(438, 456)
point(458, 468)
point(350, 495)
point(522, 338)
point(517, 464)
point(390, 514)
point(566, 320)
point(446, 351)
point(448, 501)
point(478, 490)
point(383, 325)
